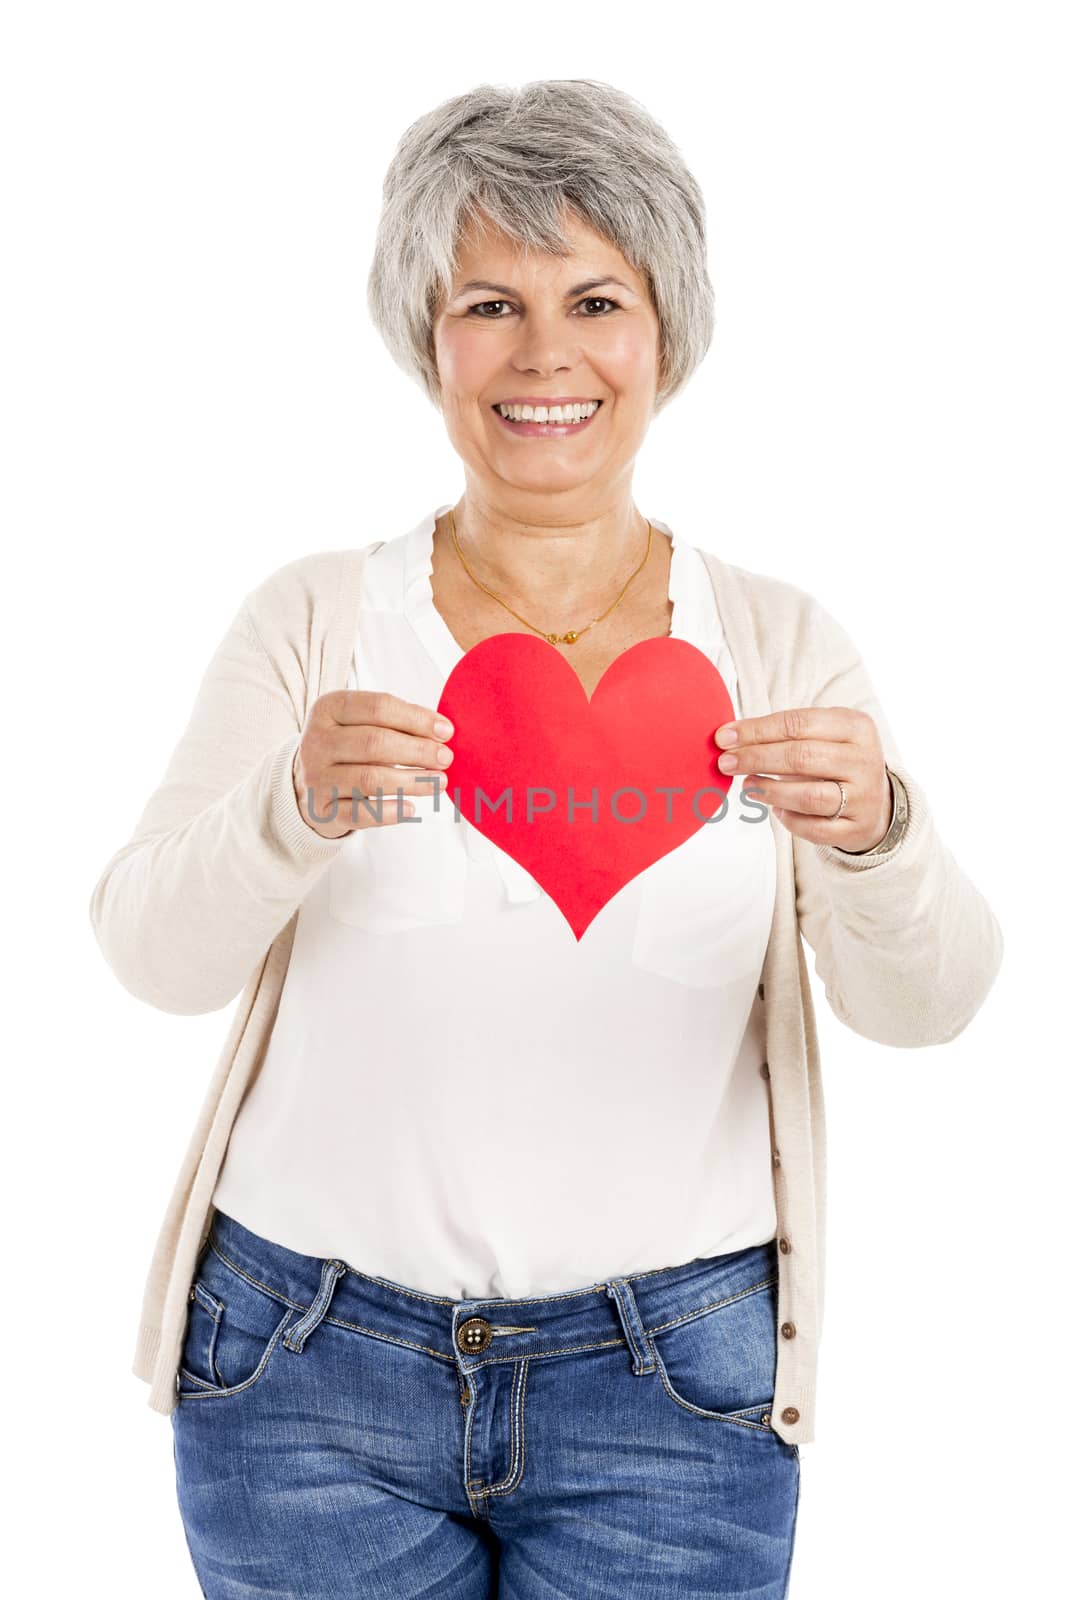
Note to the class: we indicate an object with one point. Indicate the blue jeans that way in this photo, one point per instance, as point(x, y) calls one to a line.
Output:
point(341, 1435)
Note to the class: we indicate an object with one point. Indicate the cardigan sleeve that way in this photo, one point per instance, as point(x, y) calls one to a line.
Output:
point(906, 946)
point(221, 856)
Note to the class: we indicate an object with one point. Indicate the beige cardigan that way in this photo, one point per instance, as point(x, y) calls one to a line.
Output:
point(200, 907)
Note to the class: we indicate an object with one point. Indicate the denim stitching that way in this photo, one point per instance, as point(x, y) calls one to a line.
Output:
point(221, 1392)
point(275, 1294)
point(192, 1377)
point(469, 1482)
point(215, 1309)
point(411, 1344)
point(622, 1296)
point(211, 1303)
point(518, 1435)
point(392, 1338)
point(533, 1355)
point(297, 1337)
point(700, 1311)
point(699, 1411)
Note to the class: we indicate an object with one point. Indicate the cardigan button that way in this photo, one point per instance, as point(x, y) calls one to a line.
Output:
point(777, 1159)
point(474, 1335)
point(790, 1414)
point(784, 1246)
point(788, 1330)
point(759, 991)
point(765, 1069)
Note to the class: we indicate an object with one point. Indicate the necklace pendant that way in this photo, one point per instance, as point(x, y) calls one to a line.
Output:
point(569, 638)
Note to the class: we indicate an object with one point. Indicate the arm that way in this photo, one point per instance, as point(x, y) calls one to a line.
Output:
point(905, 945)
point(221, 857)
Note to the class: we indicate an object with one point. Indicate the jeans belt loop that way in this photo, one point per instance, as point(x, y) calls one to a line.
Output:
point(299, 1334)
point(640, 1349)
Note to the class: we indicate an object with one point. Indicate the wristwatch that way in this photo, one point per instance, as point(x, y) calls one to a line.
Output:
point(897, 822)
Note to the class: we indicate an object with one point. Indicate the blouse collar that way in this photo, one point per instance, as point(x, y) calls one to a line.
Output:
point(444, 650)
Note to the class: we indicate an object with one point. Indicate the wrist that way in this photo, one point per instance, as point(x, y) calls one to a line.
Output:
point(897, 820)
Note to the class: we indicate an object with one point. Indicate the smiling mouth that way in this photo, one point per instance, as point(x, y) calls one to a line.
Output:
point(538, 421)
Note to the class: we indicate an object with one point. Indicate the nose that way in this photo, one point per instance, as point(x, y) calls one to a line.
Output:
point(545, 347)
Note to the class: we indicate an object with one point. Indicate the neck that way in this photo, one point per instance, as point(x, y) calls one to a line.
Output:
point(550, 562)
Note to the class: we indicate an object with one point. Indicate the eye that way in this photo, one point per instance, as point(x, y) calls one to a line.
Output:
point(590, 299)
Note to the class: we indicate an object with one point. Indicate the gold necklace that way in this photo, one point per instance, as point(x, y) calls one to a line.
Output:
point(553, 638)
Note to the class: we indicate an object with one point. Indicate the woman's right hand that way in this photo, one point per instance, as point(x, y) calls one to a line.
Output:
point(364, 740)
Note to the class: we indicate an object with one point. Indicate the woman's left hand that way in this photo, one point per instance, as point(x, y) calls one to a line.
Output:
point(807, 750)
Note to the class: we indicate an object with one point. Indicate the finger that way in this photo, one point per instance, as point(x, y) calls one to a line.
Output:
point(372, 803)
point(816, 830)
point(831, 724)
point(352, 707)
point(378, 745)
point(813, 758)
point(411, 782)
point(414, 782)
point(362, 805)
point(816, 797)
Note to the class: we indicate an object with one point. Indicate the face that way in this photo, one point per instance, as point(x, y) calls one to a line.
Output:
point(542, 330)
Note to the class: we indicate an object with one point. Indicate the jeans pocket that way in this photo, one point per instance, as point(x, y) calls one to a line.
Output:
point(721, 1360)
point(232, 1331)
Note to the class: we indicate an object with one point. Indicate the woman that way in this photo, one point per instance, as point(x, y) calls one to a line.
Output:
point(496, 1260)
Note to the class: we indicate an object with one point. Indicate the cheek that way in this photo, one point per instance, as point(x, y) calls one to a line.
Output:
point(464, 362)
point(627, 357)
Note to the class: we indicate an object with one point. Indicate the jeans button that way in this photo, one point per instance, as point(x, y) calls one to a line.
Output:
point(474, 1335)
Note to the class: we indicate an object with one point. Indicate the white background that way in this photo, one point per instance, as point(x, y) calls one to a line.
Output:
point(193, 394)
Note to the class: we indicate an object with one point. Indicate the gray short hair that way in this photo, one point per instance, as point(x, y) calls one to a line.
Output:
point(522, 157)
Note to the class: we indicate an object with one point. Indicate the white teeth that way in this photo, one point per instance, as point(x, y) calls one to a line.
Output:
point(571, 413)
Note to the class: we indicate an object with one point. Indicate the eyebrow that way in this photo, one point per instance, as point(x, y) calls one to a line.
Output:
point(579, 288)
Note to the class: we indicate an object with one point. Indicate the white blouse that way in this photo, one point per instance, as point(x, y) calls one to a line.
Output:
point(461, 1097)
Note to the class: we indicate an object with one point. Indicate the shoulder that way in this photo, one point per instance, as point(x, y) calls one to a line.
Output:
point(797, 639)
point(305, 594)
point(776, 607)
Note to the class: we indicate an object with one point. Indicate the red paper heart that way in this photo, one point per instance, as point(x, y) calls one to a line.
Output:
point(522, 722)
